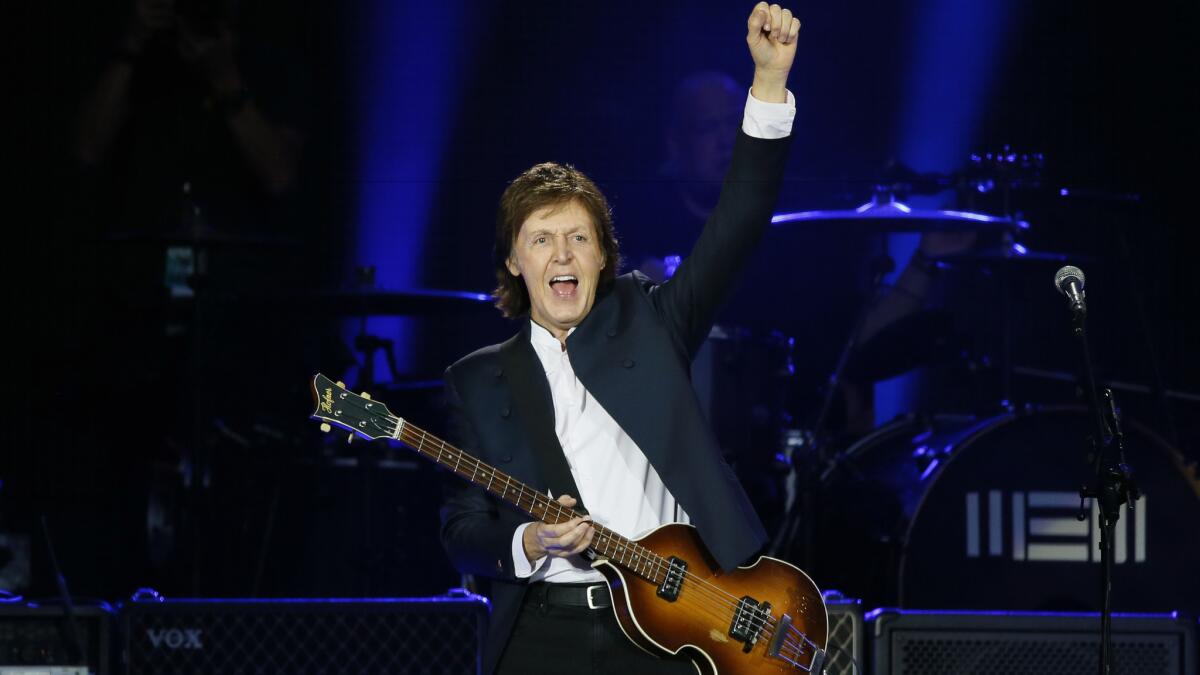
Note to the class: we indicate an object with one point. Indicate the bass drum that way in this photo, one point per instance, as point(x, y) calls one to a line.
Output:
point(955, 513)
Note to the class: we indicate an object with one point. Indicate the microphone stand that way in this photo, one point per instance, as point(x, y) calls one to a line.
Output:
point(1112, 483)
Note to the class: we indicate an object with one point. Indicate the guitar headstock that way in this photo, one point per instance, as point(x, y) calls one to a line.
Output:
point(356, 413)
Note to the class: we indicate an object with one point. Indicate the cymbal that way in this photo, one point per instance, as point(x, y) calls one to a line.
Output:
point(347, 303)
point(201, 239)
point(880, 217)
point(1014, 253)
point(412, 302)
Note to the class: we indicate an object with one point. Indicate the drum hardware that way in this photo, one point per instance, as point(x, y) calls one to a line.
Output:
point(883, 214)
point(798, 518)
point(926, 462)
point(413, 302)
point(1010, 252)
point(1000, 502)
point(1139, 304)
point(1116, 385)
point(792, 445)
point(365, 300)
point(202, 239)
point(744, 380)
point(73, 641)
point(1007, 262)
point(925, 337)
point(1005, 170)
point(368, 465)
point(368, 345)
point(1008, 171)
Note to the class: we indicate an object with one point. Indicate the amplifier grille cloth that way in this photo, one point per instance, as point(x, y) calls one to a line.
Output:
point(845, 636)
point(251, 642)
point(984, 654)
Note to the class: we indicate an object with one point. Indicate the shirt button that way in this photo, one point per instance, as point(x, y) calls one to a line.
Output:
point(612, 332)
point(505, 413)
point(628, 363)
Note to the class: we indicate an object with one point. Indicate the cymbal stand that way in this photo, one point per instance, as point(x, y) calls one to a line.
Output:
point(1139, 302)
point(1006, 169)
point(368, 345)
point(1006, 308)
point(801, 517)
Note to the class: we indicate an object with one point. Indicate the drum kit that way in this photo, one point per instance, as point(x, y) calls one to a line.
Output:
point(977, 506)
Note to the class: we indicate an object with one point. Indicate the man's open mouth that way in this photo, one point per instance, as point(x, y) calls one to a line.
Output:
point(564, 285)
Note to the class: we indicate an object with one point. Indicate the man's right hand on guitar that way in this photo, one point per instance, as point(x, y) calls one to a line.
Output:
point(560, 541)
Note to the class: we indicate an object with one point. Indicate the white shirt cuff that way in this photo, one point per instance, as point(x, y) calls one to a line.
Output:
point(769, 120)
point(521, 567)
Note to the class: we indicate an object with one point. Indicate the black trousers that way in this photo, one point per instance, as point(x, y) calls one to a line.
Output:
point(549, 638)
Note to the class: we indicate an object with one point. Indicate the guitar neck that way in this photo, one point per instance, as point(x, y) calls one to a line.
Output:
point(606, 543)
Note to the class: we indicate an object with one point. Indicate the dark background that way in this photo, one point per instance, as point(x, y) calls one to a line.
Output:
point(111, 422)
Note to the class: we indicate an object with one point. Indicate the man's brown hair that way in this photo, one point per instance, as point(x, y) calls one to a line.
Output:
point(547, 184)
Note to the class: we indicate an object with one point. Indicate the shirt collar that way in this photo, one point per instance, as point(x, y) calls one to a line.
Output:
point(547, 347)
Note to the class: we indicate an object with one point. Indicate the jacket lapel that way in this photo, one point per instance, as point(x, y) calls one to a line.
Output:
point(535, 412)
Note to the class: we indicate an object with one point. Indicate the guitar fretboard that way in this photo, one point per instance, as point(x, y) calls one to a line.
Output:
point(606, 543)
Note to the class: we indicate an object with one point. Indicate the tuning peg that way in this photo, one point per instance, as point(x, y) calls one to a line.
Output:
point(325, 427)
point(341, 384)
point(366, 396)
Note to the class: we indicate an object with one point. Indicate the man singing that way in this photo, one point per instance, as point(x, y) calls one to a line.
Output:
point(593, 396)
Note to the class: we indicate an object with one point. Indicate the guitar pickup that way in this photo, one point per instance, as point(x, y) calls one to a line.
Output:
point(748, 621)
point(673, 579)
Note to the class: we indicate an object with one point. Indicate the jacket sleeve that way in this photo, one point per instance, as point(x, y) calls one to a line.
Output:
point(477, 531)
point(688, 302)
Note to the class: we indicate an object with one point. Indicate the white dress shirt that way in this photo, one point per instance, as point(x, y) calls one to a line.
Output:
point(621, 489)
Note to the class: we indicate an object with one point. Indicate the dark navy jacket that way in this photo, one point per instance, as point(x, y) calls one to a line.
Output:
point(633, 353)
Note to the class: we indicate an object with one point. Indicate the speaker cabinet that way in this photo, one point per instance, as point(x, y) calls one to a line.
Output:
point(844, 655)
point(37, 639)
point(235, 637)
point(908, 642)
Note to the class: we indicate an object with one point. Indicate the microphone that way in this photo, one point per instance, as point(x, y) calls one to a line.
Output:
point(1069, 282)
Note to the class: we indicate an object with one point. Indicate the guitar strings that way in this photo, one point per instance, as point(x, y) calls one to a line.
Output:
point(416, 438)
point(766, 622)
point(653, 563)
point(656, 564)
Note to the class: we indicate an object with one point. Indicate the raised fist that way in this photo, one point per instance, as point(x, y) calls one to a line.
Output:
point(771, 36)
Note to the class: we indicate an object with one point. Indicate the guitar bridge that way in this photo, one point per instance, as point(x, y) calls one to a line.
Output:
point(815, 665)
point(673, 579)
point(748, 621)
point(781, 632)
